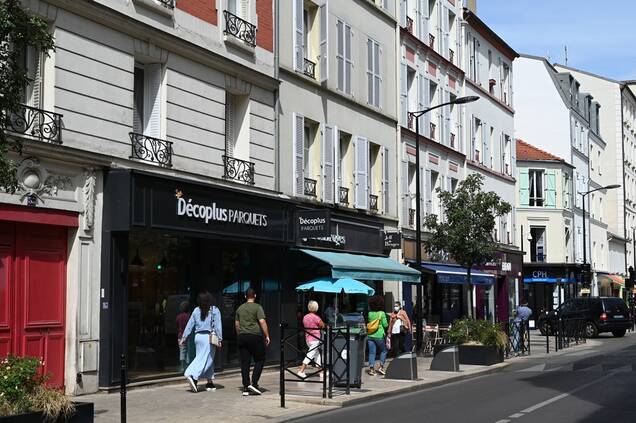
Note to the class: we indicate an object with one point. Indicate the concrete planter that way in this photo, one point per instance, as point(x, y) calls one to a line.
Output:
point(84, 412)
point(481, 355)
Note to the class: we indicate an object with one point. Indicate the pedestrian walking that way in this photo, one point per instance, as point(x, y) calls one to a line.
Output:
point(205, 321)
point(519, 324)
point(376, 331)
point(182, 320)
point(312, 323)
point(399, 327)
point(253, 337)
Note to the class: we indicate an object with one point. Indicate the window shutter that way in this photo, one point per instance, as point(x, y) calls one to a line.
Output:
point(573, 132)
point(324, 42)
point(34, 67)
point(385, 180)
point(328, 164)
point(245, 10)
point(361, 172)
point(152, 100)
point(299, 154)
point(550, 188)
point(486, 150)
point(428, 189)
point(403, 13)
point(229, 125)
point(423, 23)
point(348, 58)
point(340, 55)
point(524, 188)
point(376, 75)
point(336, 164)
point(473, 136)
point(371, 94)
point(406, 194)
point(299, 38)
point(423, 103)
point(446, 117)
point(404, 94)
point(138, 101)
point(512, 151)
point(478, 63)
point(445, 33)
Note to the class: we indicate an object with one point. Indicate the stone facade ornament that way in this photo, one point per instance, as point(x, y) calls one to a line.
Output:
point(34, 181)
point(89, 199)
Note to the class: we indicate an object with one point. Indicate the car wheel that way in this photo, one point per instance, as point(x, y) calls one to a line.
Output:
point(545, 328)
point(619, 333)
point(590, 330)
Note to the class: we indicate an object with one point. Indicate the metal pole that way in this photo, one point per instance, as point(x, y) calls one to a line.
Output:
point(348, 360)
point(418, 238)
point(329, 360)
point(122, 389)
point(547, 341)
point(585, 250)
point(282, 365)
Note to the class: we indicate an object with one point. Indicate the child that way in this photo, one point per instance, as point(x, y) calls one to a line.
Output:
point(182, 321)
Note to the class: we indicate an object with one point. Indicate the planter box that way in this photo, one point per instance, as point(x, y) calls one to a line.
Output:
point(480, 355)
point(84, 412)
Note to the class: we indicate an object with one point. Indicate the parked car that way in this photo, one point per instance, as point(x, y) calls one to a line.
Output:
point(599, 314)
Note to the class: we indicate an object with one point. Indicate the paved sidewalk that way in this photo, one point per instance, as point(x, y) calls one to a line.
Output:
point(174, 402)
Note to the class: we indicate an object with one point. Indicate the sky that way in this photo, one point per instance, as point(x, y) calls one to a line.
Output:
point(600, 35)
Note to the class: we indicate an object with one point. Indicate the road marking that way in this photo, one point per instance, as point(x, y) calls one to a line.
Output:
point(578, 353)
point(516, 415)
point(537, 368)
point(503, 421)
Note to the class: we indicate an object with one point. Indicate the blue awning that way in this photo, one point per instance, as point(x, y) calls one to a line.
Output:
point(549, 280)
point(356, 266)
point(448, 273)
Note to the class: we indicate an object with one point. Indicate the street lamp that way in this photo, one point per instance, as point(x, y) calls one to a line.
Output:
point(583, 195)
point(418, 228)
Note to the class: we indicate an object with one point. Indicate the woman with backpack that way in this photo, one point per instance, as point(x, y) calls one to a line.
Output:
point(376, 332)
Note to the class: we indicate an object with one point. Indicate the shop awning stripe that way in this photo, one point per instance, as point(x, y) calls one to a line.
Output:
point(458, 275)
point(356, 266)
point(612, 278)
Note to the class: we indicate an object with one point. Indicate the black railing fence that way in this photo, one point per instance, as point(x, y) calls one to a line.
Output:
point(239, 28)
point(238, 170)
point(33, 122)
point(151, 149)
point(518, 333)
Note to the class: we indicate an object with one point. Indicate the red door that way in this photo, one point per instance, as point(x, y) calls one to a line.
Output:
point(33, 284)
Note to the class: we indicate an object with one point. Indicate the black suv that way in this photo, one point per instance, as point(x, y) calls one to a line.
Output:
point(600, 314)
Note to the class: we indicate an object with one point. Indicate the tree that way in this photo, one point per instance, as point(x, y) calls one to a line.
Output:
point(19, 30)
point(466, 231)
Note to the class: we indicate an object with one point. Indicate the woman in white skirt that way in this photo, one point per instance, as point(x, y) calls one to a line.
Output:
point(312, 324)
point(205, 320)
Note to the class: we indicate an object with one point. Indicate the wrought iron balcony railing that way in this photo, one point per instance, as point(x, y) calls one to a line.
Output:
point(373, 202)
point(452, 140)
point(309, 68)
point(167, 3)
point(409, 24)
point(343, 195)
point(239, 28)
point(238, 170)
point(32, 122)
point(433, 127)
point(410, 121)
point(451, 55)
point(431, 40)
point(310, 187)
point(151, 149)
point(412, 217)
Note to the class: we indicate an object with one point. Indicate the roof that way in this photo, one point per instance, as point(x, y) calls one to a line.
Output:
point(529, 152)
point(490, 35)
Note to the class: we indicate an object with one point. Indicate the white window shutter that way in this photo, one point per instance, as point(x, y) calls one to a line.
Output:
point(423, 23)
point(340, 55)
point(403, 13)
point(404, 93)
point(361, 172)
point(423, 103)
point(428, 189)
point(370, 93)
point(348, 59)
point(336, 164)
point(377, 78)
point(328, 164)
point(299, 35)
point(153, 100)
point(299, 154)
point(34, 67)
point(138, 100)
point(472, 138)
point(229, 125)
point(245, 10)
point(324, 42)
point(406, 194)
point(485, 151)
point(445, 35)
point(385, 180)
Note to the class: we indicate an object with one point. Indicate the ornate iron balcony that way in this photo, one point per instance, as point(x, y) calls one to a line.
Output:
point(431, 40)
point(238, 170)
point(309, 68)
point(452, 140)
point(412, 217)
point(239, 28)
point(433, 127)
point(310, 187)
point(151, 149)
point(410, 121)
point(373, 202)
point(451, 55)
point(409, 24)
point(167, 3)
point(343, 195)
point(32, 122)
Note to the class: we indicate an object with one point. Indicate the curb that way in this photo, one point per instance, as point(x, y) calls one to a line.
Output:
point(335, 404)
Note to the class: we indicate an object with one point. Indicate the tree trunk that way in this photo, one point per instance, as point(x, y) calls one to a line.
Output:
point(471, 306)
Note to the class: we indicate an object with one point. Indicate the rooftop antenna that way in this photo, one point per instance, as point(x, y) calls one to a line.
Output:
point(549, 61)
point(566, 55)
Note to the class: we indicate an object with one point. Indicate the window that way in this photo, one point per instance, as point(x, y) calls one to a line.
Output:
point(373, 72)
point(536, 187)
point(474, 59)
point(344, 57)
point(507, 154)
point(506, 84)
point(567, 190)
point(237, 128)
point(147, 100)
point(477, 138)
point(240, 8)
point(345, 167)
point(32, 61)
point(537, 244)
point(308, 142)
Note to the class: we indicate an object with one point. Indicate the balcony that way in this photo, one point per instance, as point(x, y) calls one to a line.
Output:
point(433, 128)
point(412, 218)
point(238, 170)
point(409, 24)
point(151, 149)
point(34, 123)
point(410, 121)
point(343, 195)
point(373, 202)
point(309, 68)
point(310, 187)
point(168, 4)
point(239, 28)
point(451, 55)
point(452, 140)
point(431, 41)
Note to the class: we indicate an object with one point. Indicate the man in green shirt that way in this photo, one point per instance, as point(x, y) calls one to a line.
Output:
point(251, 326)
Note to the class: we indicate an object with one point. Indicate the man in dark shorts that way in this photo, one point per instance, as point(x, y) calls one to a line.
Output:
point(251, 327)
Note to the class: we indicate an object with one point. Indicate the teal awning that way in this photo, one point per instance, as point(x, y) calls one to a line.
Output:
point(355, 266)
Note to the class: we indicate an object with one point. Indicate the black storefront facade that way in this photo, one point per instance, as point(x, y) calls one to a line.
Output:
point(546, 285)
point(166, 239)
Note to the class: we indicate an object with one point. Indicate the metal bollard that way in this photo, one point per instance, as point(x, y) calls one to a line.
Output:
point(122, 389)
point(282, 365)
point(547, 342)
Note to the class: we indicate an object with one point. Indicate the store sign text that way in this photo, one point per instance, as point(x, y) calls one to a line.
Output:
point(212, 212)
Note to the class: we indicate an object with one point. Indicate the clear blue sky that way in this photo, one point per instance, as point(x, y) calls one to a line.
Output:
point(600, 35)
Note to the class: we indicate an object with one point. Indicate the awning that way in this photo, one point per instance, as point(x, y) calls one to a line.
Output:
point(355, 266)
point(615, 279)
point(448, 273)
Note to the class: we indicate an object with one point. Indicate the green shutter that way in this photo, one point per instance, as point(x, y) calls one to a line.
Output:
point(550, 189)
point(524, 188)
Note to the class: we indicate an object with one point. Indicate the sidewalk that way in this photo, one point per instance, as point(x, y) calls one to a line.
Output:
point(174, 402)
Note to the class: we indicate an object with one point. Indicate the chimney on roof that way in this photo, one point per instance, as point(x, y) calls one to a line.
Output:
point(471, 5)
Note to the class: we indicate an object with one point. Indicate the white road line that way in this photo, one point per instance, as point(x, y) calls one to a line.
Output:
point(579, 353)
point(516, 415)
point(503, 421)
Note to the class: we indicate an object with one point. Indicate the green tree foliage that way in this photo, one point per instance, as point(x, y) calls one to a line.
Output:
point(18, 30)
point(466, 232)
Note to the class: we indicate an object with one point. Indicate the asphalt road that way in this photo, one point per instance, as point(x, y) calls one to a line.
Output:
point(591, 385)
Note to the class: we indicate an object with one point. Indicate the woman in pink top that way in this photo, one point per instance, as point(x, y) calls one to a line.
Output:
point(312, 324)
